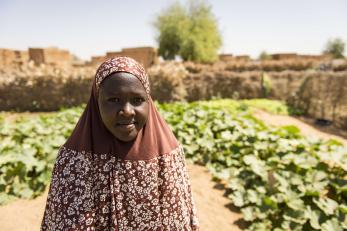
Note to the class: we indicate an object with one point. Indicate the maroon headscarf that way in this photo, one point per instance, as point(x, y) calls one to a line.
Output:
point(91, 135)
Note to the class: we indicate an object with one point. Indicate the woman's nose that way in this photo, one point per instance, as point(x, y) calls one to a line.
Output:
point(127, 110)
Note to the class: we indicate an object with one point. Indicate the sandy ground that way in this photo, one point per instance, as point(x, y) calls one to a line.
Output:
point(214, 210)
point(306, 126)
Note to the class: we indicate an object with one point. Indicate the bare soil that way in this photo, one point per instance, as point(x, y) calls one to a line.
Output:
point(306, 126)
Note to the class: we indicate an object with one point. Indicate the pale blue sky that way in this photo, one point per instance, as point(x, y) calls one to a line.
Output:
point(87, 27)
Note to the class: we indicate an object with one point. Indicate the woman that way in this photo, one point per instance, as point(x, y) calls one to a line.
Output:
point(122, 168)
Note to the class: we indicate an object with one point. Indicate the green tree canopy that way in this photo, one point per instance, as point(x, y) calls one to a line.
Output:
point(335, 47)
point(191, 32)
point(264, 56)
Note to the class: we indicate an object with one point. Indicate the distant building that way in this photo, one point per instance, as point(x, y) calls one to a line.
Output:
point(230, 57)
point(96, 60)
point(281, 56)
point(226, 57)
point(147, 56)
point(242, 58)
point(51, 55)
point(315, 57)
point(8, 56)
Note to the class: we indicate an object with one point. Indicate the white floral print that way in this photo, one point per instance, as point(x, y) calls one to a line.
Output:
point(101, 192)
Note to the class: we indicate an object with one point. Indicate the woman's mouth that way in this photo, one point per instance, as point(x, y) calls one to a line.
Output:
point(126, 126)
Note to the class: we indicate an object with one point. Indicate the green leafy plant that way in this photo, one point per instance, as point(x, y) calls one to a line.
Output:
point(28, 148)
point(279, 179)
point(265, 84)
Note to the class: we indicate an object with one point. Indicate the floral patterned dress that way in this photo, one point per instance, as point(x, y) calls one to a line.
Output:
point(106, 193)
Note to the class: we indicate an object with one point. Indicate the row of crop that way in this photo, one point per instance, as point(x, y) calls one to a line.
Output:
point(279, 180)
point(28, 148)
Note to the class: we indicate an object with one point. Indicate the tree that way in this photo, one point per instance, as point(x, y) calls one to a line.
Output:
point(335, 47)
point(264, 56)
point(171, 25)
point(191, 33)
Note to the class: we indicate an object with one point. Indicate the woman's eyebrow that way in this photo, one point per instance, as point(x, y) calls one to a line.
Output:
point(109, 94)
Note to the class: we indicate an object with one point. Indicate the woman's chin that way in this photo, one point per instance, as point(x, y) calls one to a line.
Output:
point(126, 138)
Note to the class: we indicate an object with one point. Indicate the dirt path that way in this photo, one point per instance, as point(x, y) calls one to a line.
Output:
point(212, 206)
point(307, 128)
point(23, 215)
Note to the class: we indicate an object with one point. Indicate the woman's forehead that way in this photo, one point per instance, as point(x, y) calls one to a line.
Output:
point(122, 82)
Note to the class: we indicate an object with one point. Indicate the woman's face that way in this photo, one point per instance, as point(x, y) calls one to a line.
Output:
point(123, 105)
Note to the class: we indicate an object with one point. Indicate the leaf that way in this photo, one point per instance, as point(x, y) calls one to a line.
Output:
point(316, 181)
point(226, 135)
point(253, 196)
point(343, 208)
point(26, 193)
point(237, 198)
point(331, 225)
point(295, 216)
point(248, 213)
point(327, 205)
point(283, 182)
point(291, 129)
point(236, 184)
point(262, 225)
point(343, 222)
point(257, 166)
point(296, 204)
point(313, 216)
point(270, 202)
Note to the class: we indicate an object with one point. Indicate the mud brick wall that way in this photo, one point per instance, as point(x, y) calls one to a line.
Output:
point(114, 54)
point(96, 60)
point(314, 57)
point(22, 56)
point(53, 56)
point(9, 57)
point(284, 56)
point(226, 57)
point(57, 56)
point(147, 56)
point(320, 94)
point(324, 95)
point(232, 58)
point(242, 58)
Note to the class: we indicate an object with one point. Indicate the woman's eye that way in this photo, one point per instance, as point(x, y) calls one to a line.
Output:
point(138, 100)
point(114, 100)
